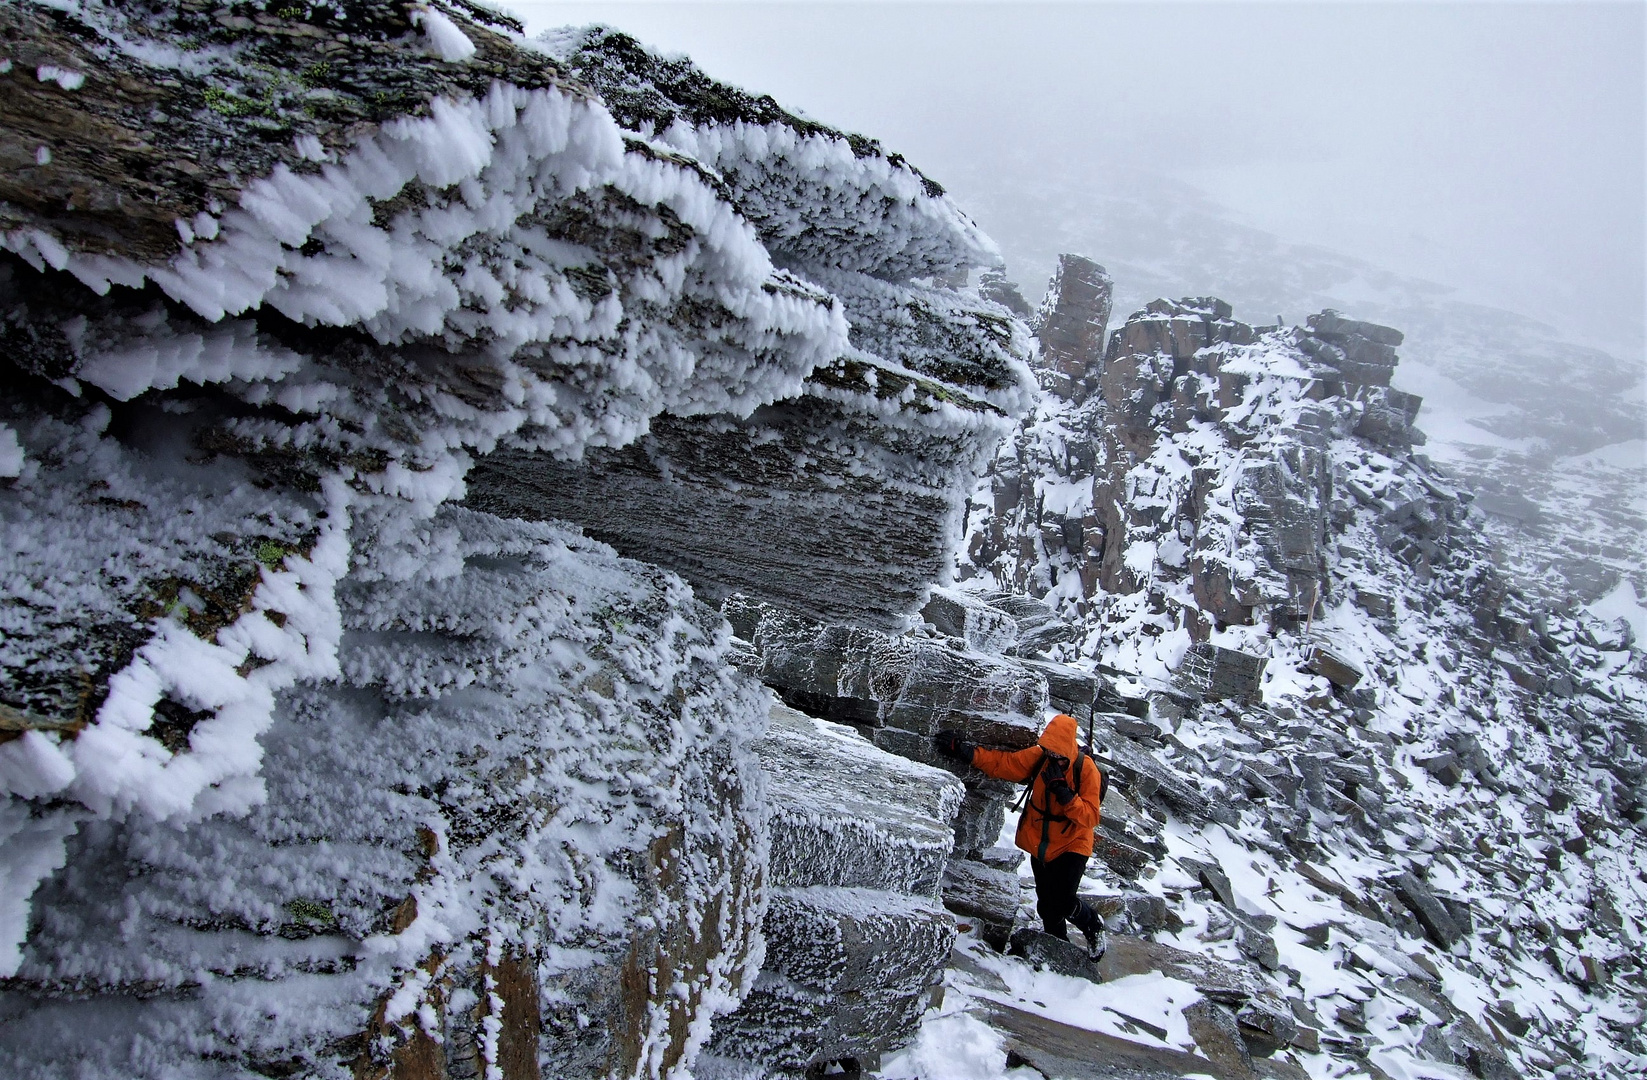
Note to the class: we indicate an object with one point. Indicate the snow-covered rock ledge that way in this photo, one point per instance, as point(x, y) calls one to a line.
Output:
point(324, 771)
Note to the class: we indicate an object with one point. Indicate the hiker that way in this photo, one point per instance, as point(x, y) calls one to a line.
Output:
point(1065, 788)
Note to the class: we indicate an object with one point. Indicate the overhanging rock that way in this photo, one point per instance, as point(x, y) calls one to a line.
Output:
point(843, 504)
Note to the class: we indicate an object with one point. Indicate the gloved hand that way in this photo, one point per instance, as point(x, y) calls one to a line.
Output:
point(950, 744)
point(1056, 774)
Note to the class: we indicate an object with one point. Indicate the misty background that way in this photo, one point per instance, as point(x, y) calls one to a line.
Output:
point(1473, 174)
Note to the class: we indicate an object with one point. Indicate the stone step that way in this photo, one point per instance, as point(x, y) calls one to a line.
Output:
point(785, 1026)
point(846, 813)
point(842, 941)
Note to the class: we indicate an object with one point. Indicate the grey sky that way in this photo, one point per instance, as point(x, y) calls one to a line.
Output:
point(1495, 148)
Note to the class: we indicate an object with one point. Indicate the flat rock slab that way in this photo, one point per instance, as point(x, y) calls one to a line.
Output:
point(1134, 956)
point(1072, 1053)
point(1055, 954)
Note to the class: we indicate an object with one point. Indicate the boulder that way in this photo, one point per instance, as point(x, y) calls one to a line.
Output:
point(1069, 690)
point(1218, 1035)
point(1333, 667)
point(1137, 914)
point(840, 940)
point(782, 1025)
point(1266, 1026)
point(962, 615)
point(1039, 627)
point(1388, 416)
point(856, 936)
point(919, 685)
point(1444, 767)
point(1438, 923)
point(1216, 673)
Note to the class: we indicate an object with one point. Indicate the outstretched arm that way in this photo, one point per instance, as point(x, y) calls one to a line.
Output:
point(1013, 765)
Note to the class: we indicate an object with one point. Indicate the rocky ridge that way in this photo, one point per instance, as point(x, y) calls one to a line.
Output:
point(1420, 784)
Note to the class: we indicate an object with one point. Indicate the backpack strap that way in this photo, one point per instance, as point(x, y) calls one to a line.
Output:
point(1021, 802)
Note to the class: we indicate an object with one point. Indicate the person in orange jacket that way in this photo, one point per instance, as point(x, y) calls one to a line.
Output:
point(1060, 811)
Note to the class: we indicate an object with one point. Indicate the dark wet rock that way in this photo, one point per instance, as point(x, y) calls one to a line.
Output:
point(1444, 767)
point(978, 891)
point(1438, 923)
point(1055, 954)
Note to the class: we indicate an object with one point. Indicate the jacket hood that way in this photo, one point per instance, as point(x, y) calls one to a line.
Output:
point(1060, 736)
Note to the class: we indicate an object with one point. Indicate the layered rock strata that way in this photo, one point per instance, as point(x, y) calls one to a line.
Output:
point(298, 758)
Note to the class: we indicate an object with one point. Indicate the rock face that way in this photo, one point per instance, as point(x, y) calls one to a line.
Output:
point(428, 872)
point(856, 937)
point(302, 758)
point(900, 691)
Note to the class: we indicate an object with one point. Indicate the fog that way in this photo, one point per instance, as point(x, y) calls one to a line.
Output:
point(1494, 149)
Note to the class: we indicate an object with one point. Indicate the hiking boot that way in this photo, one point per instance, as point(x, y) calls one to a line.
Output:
point(1091, 925)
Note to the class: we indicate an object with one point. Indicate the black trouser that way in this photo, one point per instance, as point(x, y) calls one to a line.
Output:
point(1056, 882)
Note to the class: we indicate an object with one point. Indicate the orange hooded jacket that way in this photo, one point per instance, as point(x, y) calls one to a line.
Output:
point(1046, 829)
